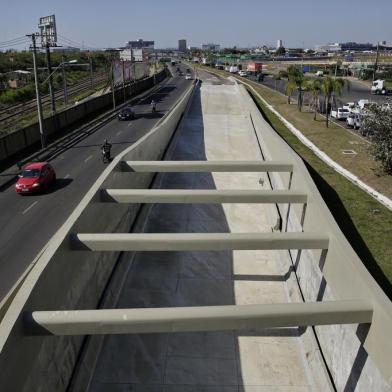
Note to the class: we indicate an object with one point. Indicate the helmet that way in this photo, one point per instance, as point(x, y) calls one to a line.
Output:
point(105, 141)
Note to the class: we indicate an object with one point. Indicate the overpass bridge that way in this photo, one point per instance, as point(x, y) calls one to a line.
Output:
point(202, 259)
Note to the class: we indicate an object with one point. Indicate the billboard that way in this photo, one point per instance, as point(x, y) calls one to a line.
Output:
point(48, 32)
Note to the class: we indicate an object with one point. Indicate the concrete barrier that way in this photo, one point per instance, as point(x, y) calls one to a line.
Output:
point(65, 279)
point(358, 357)
point(15, 144)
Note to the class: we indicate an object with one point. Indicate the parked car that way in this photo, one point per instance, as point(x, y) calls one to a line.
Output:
point(358, 120)
point(243, 73)
point(319, 73)
point(35, 177)
point(350, 106)
point(126, 114)
point(340, 113)
point(350, 120)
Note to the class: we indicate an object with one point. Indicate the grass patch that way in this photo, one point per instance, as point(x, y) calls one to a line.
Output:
point(365, 222)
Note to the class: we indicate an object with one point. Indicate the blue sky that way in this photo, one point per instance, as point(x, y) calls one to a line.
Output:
point(299, 23)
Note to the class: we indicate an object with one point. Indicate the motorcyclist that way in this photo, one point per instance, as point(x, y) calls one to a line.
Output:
point(106, 147)
point(153, 106)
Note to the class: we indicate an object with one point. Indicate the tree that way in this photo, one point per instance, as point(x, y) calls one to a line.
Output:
point(314, 87)
point(297, 81)
point(377, 126)
point(280, 51)
point(329, 87)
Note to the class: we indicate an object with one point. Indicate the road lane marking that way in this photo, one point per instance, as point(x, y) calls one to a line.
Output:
point(65, 177)
point(88, 158)
point(28, 208)
point(118, 133)
point(129, 124)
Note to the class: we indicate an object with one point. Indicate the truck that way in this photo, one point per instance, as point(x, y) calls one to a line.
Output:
point(379, 87)
point(233, 69)
point(254, 67)
point(340, 113)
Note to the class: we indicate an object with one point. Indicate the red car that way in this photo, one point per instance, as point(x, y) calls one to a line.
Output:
point(35, 177)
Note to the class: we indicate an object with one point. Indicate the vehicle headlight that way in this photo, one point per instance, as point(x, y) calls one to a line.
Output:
point(36, 184)
point(17, 185)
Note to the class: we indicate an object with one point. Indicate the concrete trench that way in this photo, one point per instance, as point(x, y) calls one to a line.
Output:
point(217, 127)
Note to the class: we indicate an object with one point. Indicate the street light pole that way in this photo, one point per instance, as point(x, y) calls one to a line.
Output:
point(37, 93)
point(376, 62)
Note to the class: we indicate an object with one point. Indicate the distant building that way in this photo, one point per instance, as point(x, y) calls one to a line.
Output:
point(333, 48)
point(182, 45)
point(279, 44)
point(18, 79)
point(65, 49)
point(210, 47)
point(140, 44)
point(193, 48)
point(356, 47)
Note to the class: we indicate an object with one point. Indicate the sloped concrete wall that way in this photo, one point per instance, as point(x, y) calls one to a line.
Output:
point(358, 357)
point(68, 279)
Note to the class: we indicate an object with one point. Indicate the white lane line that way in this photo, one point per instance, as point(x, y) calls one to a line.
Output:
point(118, 133)
point(129, 125)
point(88, 158)
point(67, 176)
point(29, 207)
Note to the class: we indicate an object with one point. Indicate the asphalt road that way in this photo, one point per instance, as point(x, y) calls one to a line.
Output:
point(28, 222)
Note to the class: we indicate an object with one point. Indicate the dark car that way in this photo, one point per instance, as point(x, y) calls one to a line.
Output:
point(126, 114)
point(35, 177)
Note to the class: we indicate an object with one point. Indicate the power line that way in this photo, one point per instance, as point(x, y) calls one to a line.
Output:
point(11, 41)
point(14, 43)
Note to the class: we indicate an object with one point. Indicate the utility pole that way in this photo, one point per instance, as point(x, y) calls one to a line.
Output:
point(64, 80)
point(376, 62)
point(50, 81)
point(91, 71)
point(112, 83)
point(37, 93)
point(123, 79)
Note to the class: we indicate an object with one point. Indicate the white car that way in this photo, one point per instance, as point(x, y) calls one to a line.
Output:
point(243, 73)
point(320, 74)
point(188, 76)
point(340, 114)
point(350, 120)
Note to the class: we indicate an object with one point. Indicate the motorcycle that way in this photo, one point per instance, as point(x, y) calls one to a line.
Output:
point(105, 156)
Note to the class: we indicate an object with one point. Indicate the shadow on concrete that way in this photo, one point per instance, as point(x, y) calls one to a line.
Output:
point(360, 359)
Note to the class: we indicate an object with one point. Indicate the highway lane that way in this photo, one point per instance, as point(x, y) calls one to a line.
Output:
point(28, 222)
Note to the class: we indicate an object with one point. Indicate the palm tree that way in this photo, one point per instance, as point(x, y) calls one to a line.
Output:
point(314, 87)
point(330, 86)
point(297, 81)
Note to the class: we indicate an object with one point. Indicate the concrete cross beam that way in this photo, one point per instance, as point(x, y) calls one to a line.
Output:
point(206, 166)
point(198, 318)
point(198, 241)
point(200, 196)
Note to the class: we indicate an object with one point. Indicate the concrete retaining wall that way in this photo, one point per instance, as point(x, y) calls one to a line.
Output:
point(65, 279)
point(358, 357)
point(16, 144)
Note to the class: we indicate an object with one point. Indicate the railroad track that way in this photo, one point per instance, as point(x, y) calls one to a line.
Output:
point(9, 113)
